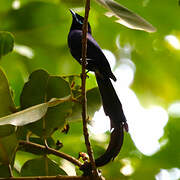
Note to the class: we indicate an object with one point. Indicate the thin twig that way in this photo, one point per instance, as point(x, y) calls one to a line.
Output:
point(84, 100)
point(10, 170)
point(48, 150)
point(49, 178)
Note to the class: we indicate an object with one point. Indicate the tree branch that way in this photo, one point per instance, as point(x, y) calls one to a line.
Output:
point(29, 146)
point(84, 100)
point(49, 178)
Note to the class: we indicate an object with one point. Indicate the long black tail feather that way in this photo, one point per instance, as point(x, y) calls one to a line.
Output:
point(111, 103)
point(112, 108)
point(114, 147)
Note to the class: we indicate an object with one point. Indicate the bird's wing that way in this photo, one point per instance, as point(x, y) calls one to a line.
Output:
point(96, 60)
point(99, 60)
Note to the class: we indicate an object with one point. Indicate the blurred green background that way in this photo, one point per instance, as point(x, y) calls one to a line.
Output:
point(40, 29)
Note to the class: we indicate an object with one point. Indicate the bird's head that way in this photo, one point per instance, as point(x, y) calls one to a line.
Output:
point(77, 22)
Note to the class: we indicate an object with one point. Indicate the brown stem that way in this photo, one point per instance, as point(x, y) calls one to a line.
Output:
point(49, 178)
point(84, 100)
point(48, 150)
point(10, 170)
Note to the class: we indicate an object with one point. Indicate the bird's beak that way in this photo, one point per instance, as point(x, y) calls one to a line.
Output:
point(72, 12)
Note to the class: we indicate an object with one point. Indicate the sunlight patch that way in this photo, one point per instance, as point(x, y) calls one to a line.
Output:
point(171, 174)
point(24, 51)
point(127, 169)
point(174, 109)
point(110, 57)
point(68, 167)
point(100, 122)
point(173, 41)
point(16, 4)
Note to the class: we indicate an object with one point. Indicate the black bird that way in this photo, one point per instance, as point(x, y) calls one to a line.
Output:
point(97, 62)
point(95, 57)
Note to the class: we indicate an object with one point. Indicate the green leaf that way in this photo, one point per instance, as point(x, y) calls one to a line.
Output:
point(31, 114)
point(16, 72)
point(41, 167)
point(6, 43)
point(8, 140)
point(6, 130)
point(126, 17)
point(93, 104)
point(41, 88)
point(5, 5)
point(26, 116)
point(93, 101)
point(21, 157)
point(6, 104)
point(8, 146)
point(15, 173)
point(5, 171)
point(74, 139)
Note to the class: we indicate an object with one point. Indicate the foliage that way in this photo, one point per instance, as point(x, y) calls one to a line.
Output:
point(44, 78)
